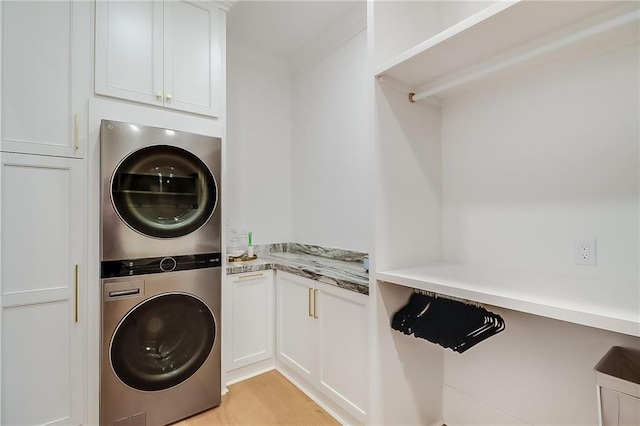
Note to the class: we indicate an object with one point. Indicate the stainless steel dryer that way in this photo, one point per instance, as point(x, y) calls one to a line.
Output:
point(160, 344)
point(160, 192)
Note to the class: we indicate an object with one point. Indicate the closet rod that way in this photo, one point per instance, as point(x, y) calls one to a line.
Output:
point(445, 296)
point(402, 87)
point(611, 24)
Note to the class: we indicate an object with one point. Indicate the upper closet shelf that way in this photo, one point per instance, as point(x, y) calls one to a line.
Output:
point(507, 38)
point(568, 298)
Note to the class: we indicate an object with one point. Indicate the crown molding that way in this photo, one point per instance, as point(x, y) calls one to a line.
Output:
point(341, 31)
point(255, 58)
point(225, 4)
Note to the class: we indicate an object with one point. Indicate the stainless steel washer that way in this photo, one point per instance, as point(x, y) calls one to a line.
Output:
point(160, 192)
point(160, 340)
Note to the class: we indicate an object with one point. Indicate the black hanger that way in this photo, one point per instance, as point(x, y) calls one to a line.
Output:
point(450, 323)
point(405, 318)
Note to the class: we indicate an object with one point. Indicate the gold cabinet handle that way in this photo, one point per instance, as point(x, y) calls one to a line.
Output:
point(159, 95)
point(310, 297)
point(76, 131)
point(244, 277)
point(315, 303)
point(169, 97)
point(76, 292)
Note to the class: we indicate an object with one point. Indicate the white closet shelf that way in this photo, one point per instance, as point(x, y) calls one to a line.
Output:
point(509, 37)
point(583, 301)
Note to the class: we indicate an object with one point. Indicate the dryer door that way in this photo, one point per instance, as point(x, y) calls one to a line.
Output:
point(163, 191)
point(162, 341)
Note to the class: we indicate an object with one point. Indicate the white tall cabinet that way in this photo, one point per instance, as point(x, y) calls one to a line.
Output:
point(45, 87)
point(42, 282)
point(161, 53)
point(45, 76)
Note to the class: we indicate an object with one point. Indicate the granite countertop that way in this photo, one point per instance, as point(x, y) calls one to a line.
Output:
point(341, 268)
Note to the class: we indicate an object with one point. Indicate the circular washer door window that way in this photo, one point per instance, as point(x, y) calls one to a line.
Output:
point(162, 342)
point(163, 191)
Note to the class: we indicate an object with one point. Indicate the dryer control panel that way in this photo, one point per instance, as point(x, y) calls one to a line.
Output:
point(157, 265)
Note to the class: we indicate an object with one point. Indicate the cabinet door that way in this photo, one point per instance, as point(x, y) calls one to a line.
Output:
point(42, 365)
point(45, 76)
point(192, 56)
point(129, 50)
point(342, 347)
point(296, 326)
point(248, 319)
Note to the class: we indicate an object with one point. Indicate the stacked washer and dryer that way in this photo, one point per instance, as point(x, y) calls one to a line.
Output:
point(161, 274)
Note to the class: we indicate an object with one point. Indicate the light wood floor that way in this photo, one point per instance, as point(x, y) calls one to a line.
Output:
point(267, 399)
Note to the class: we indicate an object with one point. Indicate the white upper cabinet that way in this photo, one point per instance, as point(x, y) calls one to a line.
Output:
point(45, 76)
point(161, 53)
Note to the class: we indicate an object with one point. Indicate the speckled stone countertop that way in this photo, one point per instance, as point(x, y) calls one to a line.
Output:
point(341, 268)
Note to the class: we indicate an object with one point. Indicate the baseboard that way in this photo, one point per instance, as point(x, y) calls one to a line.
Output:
point(249, 371)
point(324, 402)
point(460, 409)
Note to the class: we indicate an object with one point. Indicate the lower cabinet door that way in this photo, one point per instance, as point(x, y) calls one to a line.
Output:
point(42, 370)
point(323, 336)
point(248, 319)
point(342, 347)
point(296, 324)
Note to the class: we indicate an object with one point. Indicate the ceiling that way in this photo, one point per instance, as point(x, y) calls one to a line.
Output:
point(282, 28)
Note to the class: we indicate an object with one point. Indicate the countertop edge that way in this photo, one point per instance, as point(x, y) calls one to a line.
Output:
point(341, 283)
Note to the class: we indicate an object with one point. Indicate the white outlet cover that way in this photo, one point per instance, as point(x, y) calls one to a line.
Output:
point(585, 252)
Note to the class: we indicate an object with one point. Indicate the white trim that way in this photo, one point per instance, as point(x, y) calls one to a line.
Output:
point(327, 405)
point(250, 56)
point(242, 374)
point(343, 30)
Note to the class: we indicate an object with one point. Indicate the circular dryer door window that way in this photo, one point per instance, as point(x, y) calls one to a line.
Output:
point(163, 191)
point(162, 342)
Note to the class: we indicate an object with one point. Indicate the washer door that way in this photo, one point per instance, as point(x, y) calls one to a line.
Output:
point(162, 342)
point(163, 191)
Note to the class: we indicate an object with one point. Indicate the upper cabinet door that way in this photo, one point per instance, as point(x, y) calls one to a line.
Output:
point(161, 53)
point(192, 57)
point(129, 50)
point(45, 76)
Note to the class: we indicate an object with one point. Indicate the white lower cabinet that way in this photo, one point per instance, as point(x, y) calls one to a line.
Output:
point(248, 320)
point(322, 337)
point(42, 321)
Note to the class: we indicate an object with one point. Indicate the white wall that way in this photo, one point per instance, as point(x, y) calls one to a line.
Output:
point(535, 164)
point(259, 150)
point(332, 150)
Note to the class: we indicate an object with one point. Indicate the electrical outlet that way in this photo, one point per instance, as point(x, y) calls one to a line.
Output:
point(585, 252)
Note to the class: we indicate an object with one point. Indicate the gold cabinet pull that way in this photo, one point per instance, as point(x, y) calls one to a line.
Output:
point(169, 97)
point(310, 297)
point(315, 303)
point(76, 292)
point(76, 131)
point(244, 277)
point(159, 95)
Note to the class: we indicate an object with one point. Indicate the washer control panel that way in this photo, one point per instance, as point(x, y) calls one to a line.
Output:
point(157, 265)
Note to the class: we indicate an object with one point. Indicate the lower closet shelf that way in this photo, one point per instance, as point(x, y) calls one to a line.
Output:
point(573, 299)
